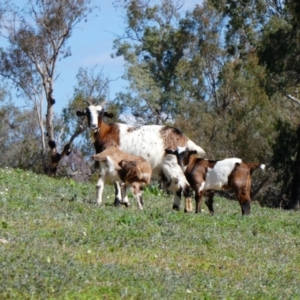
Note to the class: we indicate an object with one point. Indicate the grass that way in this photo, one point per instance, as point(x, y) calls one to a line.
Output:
point(57, 244)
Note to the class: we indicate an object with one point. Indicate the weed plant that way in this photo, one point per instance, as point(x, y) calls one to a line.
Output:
point(56, 243)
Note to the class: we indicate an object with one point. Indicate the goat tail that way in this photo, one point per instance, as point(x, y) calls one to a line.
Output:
point(192, 146)
point(255, 166)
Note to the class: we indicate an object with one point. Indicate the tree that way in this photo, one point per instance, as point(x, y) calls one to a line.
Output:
point(207, 94)
point(271, 30)
point(280, 44)
point(155, 47)
point(19, 139)
point(37, 37)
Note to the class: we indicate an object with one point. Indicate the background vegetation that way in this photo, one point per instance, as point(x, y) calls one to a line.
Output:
point(56, 244)
point(225, 73)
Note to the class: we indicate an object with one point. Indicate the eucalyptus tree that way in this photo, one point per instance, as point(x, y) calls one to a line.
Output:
point(155, 47)
point(19, 142)
point(181, 71)
point(236, 107)
point(270, 30)
point(37, 36)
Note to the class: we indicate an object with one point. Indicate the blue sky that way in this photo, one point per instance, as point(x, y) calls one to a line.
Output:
point(91, 45)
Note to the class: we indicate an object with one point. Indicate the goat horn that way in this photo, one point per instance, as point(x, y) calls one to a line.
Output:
point(88, 102)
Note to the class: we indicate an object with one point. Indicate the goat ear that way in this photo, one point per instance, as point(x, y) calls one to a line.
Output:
point(108, 115)
point(194, 152)
point(80, 113)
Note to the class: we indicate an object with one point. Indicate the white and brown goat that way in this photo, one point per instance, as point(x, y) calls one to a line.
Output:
point(174, 180)
point(116, 165)
point(148, 141)
point(214, 175)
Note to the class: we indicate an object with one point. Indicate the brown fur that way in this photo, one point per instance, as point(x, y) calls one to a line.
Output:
point(106, 135)
point(131, 129)
point(132, 170)
point(173, 137)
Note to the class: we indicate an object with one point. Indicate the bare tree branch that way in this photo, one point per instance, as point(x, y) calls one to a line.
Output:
point(296, 100)
point(154, 111)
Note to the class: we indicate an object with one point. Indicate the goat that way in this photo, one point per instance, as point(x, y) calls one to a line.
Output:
point(211, 175)
point(116, 165)
point(173, 178)
point(148, 141)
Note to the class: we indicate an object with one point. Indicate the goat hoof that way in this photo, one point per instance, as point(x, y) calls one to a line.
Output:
point(117, 202)
point(175, 207)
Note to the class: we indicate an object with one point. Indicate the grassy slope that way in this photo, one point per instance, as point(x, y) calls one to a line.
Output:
point(62, 246)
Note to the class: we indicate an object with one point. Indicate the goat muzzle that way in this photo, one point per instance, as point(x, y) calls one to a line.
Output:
point(94, 127)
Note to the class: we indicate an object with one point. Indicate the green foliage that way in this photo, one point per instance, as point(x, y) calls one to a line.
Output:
point(280, 43)
point(156, 52)
point(20, 139)
point(283, 158)
point(58, 246)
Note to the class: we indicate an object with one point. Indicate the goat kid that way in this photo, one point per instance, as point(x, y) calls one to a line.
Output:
point(174, 180)
point(116, 165)
point(148, 141)
point(210, 175)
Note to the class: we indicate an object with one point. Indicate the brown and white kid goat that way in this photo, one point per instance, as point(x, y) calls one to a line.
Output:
point(214, 175)
point(116, 165)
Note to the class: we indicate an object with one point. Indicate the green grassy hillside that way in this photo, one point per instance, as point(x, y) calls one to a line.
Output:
point(57, 244)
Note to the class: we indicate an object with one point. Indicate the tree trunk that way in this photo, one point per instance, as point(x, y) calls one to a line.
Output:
point(295, 192)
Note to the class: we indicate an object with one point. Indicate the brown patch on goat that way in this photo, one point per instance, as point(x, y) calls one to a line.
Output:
point(172, 137)
point(131, 129)
point(129, 171)
point(240, 182)
point(107, 135)
point(196, 171)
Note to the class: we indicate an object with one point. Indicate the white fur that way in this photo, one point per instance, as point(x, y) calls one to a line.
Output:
point(182, 149)
point(94, 115)
point(173, 173)
point(145, 142)
point(176, 180)
point(202, 186)
point(218, 175)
